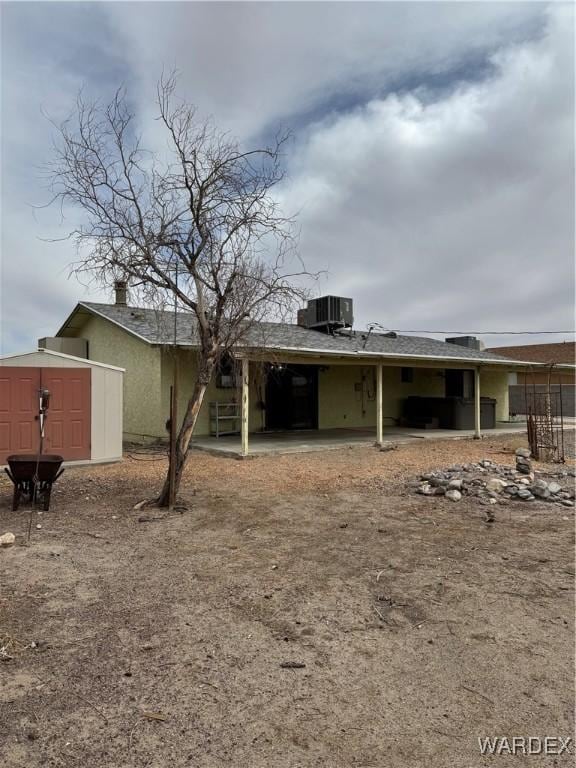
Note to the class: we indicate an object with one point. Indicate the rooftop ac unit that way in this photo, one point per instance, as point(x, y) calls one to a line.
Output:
point(330, 312)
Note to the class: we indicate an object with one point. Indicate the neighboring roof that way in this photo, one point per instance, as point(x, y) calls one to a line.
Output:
point(157, 327)
point(560, 352)
point(52, 353)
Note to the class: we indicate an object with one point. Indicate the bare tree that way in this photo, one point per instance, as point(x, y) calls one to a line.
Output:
point(201, 209)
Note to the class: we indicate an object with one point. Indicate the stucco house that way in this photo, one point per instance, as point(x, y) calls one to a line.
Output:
point(287, 377)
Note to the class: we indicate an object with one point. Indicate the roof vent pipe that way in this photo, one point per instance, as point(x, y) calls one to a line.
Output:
point(121, 293)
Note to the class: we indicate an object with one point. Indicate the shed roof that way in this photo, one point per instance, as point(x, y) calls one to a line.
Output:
point(5, 359)
point(158, 327)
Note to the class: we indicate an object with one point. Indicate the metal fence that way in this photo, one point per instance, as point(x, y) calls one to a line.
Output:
point(545, 424)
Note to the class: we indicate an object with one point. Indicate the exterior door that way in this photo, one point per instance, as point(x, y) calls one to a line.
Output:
point(68, 424)
point(292, 397)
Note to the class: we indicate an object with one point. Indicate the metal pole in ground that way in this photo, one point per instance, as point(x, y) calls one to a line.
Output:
point(174, 406)
point(245, 405)
point(477, 430)
point(379, 406)
point(173, 428)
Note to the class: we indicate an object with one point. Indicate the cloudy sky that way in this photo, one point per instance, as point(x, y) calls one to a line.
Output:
point(432, 159)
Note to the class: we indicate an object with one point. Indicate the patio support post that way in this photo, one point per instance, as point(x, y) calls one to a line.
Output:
point(245, 404)
point(477, 433)
point(379, 406)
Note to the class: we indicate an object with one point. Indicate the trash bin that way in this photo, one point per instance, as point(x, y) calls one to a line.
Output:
point(463, 416)
point(448, 412)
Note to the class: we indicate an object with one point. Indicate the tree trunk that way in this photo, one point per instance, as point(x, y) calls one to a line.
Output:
point(186, 432)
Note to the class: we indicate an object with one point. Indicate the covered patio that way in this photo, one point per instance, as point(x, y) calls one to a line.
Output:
point(349, 402)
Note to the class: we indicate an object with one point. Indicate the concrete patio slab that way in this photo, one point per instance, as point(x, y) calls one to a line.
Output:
point(305, 441)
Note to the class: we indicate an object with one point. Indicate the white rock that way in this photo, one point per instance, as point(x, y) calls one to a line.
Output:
point(39, 526)
point(495, 484)
point(453, 495)
point(523, 452)
point(554, 487)
point(7, 539)
point(455, 484)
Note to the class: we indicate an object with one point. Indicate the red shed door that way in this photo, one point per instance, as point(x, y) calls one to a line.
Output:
point(18, 409)
point(68, 424)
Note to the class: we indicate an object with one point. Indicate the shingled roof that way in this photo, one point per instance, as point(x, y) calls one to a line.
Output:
point(157, 327)
point(557, 352)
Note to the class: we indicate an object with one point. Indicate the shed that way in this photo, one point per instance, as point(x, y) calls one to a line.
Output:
point(84, 420)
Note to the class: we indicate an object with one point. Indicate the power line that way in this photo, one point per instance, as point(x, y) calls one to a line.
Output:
point(481, 333)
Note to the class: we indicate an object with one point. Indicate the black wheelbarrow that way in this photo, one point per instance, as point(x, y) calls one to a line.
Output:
point(33, 477)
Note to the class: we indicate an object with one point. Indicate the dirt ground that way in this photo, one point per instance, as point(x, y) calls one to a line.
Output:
point(161, 643)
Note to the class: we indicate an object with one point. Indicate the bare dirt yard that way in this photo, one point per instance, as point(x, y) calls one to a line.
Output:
point(305, 610)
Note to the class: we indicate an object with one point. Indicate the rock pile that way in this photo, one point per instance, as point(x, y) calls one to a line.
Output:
point(495, 483)
point(523, 463)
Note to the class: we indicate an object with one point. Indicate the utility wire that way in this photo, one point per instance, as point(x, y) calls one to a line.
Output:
point(482, 333)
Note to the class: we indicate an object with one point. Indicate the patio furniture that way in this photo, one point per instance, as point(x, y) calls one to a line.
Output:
point(33, 476)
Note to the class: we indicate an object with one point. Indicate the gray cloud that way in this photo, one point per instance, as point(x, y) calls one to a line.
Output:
point(455, 213)
point(432, 158)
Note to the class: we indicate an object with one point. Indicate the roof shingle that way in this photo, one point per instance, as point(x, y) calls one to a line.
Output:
point(559, 352)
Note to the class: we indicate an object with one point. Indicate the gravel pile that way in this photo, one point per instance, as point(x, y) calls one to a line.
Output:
point(493, 483)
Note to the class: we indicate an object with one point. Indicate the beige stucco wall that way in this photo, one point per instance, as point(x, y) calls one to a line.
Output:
point(142, 381)
point(347, 394)
point(494, 383)
point(106, 400)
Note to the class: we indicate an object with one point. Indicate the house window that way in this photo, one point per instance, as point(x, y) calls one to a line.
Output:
point(407, 375)
point(226, 377)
